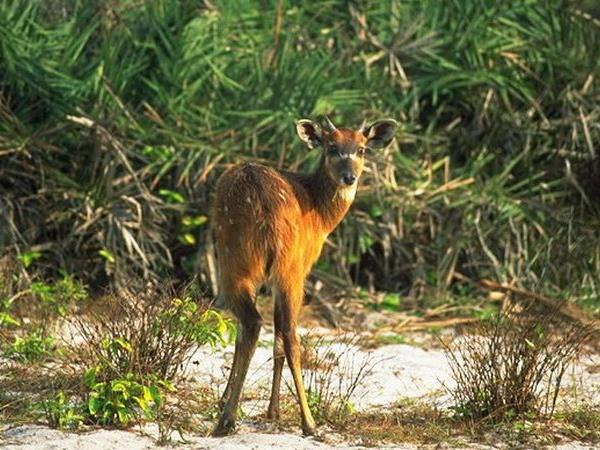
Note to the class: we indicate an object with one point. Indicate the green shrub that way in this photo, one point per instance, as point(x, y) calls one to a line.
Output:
point(7, 318)
point(149, 333)
point(59, 295)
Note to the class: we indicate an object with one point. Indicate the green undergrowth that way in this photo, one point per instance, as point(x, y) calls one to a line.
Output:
point(134, 110)
point(124, 367)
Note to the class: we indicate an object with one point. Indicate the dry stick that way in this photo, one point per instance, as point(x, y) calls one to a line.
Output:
point(211, 262)
point(415, 325)
point(207, 169)
point(276, 34)
point(568, 309)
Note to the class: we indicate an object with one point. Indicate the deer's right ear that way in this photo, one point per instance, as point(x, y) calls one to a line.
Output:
point(309, 132)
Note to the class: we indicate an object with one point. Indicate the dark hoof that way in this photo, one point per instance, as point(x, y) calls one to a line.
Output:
point(225, 427)
point(309, 431)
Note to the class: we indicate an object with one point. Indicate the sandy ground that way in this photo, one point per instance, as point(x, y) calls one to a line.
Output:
point(35, 437)
point(395, 372)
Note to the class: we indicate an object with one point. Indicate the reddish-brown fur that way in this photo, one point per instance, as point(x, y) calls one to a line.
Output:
point(269, 227)
point(272, 224)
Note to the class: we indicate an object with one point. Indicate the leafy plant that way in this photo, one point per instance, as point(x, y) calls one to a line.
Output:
point(121, 401)
point(6, 316)
point(494, 173)
point(30, 348)
point(28, 258)
point(389, 301)
point(62, 412)
point(189, 226)
point(149, 333)
point(58, 296)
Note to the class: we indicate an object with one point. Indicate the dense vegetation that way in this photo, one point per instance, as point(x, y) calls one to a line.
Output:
point(117, 117)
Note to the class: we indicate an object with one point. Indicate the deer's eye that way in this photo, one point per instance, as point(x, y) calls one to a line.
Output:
point(332, 150)
point(361, 151)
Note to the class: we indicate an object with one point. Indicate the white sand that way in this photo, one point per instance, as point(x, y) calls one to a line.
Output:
point(398, 372)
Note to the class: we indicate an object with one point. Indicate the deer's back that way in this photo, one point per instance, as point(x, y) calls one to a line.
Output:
point(262, 221)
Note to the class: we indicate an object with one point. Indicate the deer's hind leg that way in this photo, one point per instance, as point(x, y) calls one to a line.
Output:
point(278, 358)
point(241, 304)
point(290, 303)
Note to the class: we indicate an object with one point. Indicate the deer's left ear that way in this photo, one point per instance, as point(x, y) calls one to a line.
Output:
point(309, 132)
point(380, 133)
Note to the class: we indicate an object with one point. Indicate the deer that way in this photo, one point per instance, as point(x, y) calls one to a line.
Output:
point(269, 227)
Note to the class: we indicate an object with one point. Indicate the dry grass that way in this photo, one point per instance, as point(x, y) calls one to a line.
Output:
point(421, 422)
point(332, 372)
point(406, 422)
point(512, 365)
point(582, 422)
point(24, 386)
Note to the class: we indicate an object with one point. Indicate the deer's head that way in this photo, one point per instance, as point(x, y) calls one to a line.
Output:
point(344, 148)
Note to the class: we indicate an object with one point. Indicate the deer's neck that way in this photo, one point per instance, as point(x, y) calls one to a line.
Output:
point(331, 201)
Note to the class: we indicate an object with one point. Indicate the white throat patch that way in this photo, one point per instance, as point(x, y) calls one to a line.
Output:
point(347, 193)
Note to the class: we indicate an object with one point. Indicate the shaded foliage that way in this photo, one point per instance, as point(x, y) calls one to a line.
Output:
point(116, 117)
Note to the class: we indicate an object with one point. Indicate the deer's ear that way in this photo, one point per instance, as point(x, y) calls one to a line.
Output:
point(309, 132)
point(380, 133)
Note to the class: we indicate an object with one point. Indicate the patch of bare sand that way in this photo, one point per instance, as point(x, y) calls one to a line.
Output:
point(35, 437)
point(397, 372)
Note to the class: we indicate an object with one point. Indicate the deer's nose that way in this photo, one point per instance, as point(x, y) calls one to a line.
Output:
point(349, 179)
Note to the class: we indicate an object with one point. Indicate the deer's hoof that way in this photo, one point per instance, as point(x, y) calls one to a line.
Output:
point(225, 427)
point(308, 430)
